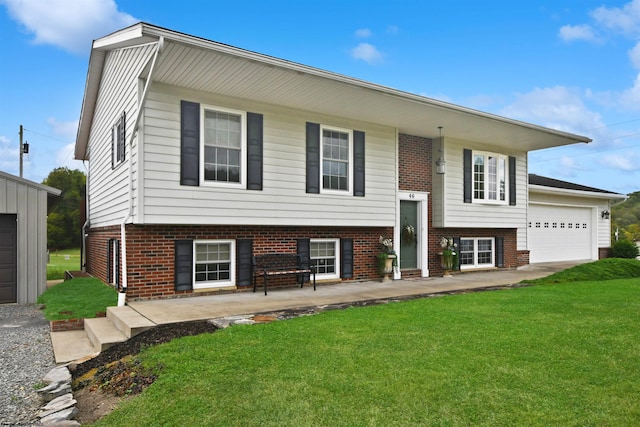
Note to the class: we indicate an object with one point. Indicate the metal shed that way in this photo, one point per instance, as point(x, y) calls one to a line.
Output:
point(23, 238)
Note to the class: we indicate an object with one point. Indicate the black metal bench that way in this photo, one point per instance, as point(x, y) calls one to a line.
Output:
point(277, 264)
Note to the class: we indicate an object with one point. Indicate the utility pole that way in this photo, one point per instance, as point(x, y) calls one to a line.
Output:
point(21, 151)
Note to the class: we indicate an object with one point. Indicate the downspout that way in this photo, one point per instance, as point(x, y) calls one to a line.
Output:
point(83, 252)
point(123, 240)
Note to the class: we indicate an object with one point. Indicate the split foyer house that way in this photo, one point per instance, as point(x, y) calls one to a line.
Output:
point(202, 154)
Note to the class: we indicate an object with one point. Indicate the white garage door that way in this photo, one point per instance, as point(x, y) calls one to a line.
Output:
point(559, 233)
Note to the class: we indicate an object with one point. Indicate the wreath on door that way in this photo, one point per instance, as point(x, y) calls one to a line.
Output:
point(408, 234)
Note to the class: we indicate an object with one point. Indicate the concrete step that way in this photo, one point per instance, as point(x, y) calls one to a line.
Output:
point(128, 321)
point(102, 333)
point(69, 346)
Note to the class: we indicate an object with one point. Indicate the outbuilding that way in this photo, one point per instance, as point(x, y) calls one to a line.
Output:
point(23, 238)
point(568, 221)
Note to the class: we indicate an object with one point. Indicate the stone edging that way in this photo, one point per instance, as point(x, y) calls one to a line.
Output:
point(59, 407)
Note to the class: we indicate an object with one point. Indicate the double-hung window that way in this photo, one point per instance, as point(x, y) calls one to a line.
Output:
point(337, 158)
point(224, 146)
point(214, 263)
point(477, 252)
point(324, 258)
point(489, 177)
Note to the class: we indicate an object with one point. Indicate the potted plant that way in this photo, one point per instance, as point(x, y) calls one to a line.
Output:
point(449, 255)
point(387, 258)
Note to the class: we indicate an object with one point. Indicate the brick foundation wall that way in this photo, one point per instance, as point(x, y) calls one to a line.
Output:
point(150, 250)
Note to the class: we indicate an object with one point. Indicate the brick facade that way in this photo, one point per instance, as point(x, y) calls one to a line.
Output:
point(150, 250)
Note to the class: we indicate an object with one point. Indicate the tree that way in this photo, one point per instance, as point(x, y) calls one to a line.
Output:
point(63, 223)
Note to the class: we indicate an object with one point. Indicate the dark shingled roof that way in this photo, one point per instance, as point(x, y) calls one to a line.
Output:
point(556, 183)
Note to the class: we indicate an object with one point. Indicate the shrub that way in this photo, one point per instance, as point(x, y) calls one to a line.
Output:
point(624, 249)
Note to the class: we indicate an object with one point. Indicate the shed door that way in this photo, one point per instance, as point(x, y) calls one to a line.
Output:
point(8, 258)
point(560, 233)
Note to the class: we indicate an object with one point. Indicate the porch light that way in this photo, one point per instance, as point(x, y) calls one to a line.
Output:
point(605, 214)
point(440, 163)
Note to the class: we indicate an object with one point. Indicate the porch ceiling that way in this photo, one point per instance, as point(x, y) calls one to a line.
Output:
point(203, 65)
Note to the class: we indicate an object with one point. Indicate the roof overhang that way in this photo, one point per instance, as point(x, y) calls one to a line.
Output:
point(203, 65)
point(542, 189)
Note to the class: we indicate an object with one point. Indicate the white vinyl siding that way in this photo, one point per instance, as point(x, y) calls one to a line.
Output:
point(108, 187)
point(283, 200)
point(449, 209)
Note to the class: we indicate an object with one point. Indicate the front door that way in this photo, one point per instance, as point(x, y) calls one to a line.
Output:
point(8, 259)
point(409, 240)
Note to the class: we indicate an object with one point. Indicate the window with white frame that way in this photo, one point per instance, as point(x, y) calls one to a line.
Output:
point(214, 263)
point(224, 146)
point(118, 144)
point(324, 258)
point(490, 177)
point(336, 159)
point(477, 252)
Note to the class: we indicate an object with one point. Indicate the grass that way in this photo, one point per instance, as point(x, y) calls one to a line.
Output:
point(61, 261)
point(605, 269)
point(541, 355)
point(82, 297)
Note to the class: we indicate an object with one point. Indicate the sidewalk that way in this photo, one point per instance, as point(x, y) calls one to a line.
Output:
point(209, 307)
point(75, 345)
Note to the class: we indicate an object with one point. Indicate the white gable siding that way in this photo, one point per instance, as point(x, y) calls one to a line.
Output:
point(449, 209)
point(108, 188)
point(283, 200)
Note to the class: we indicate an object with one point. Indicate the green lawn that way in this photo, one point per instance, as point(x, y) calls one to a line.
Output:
point(61, 261)
point(82, 297)
point(550, 354)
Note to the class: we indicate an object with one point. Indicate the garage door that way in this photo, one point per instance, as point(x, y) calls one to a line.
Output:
point(560, 233)
point(8, 259)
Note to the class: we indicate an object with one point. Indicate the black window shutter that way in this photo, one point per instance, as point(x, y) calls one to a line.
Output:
point(254, 151)
point(358, 163)
point(467, 175)
point(499, 251)
point(183, 265)
point(116, 254)
point(304, 250)
point(456, 242)
point(244, 252)
point(110, 261)
point(313, 158)
point(512, 181)
point(346, 258)
point(114, 141)
point(189, 143)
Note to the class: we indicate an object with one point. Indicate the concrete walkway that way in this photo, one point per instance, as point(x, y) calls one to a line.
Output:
point(75, 345)
point(209, 307)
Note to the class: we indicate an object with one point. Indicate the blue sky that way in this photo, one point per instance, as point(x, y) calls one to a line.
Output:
point(570, 65)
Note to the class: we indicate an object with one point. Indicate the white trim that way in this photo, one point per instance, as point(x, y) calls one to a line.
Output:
point(243, 147)
point(421, 230)
point(349, 190)
point(336, 246)
point(232, 265)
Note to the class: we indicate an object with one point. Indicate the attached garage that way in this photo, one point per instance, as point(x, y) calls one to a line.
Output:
point(567, 222)
point(23, 238)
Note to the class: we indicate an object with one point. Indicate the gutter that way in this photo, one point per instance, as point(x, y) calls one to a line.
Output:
point(83, 252)
point(123, 236)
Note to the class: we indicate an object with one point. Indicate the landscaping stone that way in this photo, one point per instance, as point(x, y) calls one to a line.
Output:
point(61, 407)
point(57, 375)
point(64, 415)
point(57, 404)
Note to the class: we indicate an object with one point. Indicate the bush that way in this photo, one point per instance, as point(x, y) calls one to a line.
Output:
point(624, 249)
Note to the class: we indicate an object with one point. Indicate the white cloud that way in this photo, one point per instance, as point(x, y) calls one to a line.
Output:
point(571, 33)
point(366, 52)
point(67, 130)
point(625, 20)
point(69, 24)
point(363, 33)
point(393, 29)
point(556, 107)
point(634, 56)
point(630, 98)
point(626, 162)
point(9, 155)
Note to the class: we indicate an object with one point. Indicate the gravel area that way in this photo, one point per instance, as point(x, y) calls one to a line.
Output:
point(26, 356)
